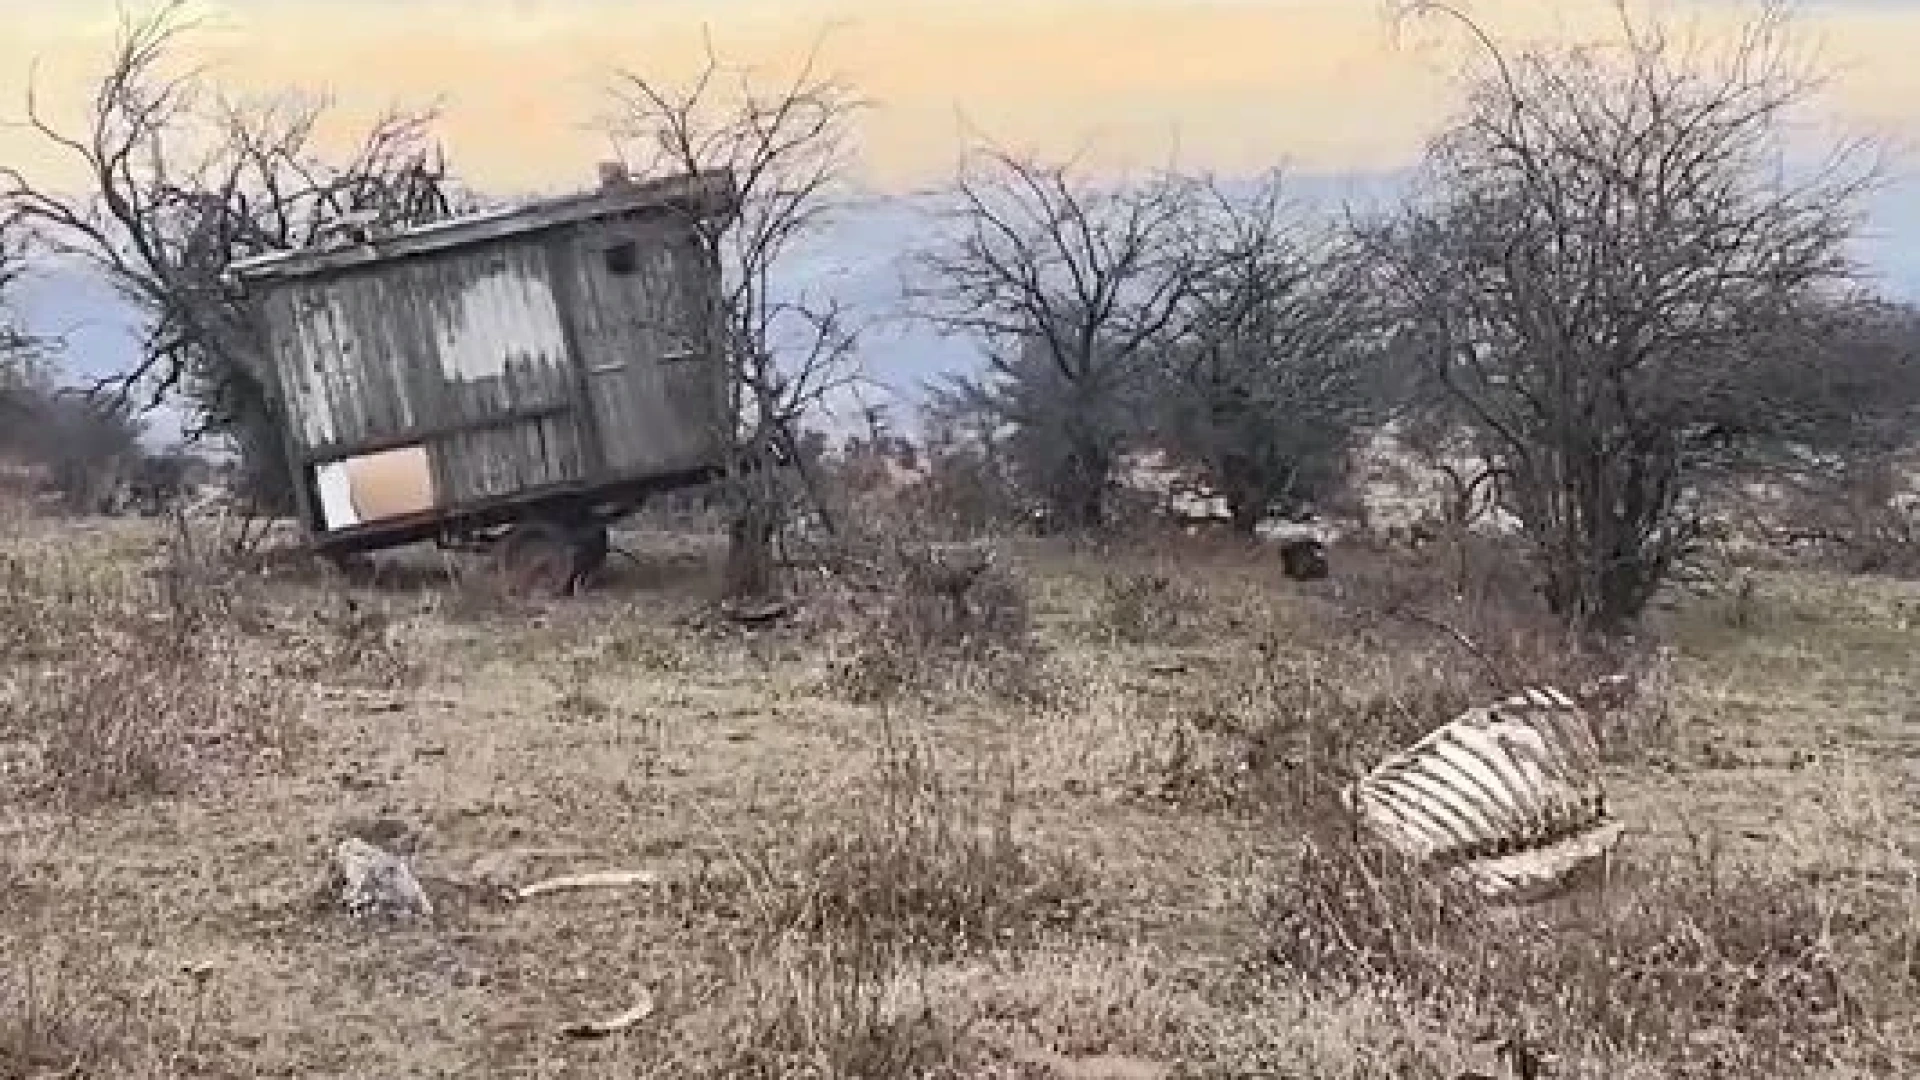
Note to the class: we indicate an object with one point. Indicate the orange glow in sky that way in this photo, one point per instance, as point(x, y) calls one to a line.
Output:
point(1233, 84)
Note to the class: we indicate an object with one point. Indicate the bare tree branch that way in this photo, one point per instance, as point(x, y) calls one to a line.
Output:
point(789, 149)
point(1277, 370)
point(1071, 288)
point(184, 181)
point(1612, 234)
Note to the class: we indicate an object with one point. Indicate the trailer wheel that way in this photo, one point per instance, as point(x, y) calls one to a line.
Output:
point(538, 559)
point(591, 546)
point(355, 566)
point(547, 558)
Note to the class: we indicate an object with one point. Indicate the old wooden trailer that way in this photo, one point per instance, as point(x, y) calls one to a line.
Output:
point(517, 379)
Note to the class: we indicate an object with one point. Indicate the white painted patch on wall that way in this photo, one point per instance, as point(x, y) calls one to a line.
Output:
point(497, 317)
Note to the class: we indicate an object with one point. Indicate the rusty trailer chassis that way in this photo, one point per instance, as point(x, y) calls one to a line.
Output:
point(547, 541)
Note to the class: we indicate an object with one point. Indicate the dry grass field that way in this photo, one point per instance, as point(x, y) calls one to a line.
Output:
point(1097, 838)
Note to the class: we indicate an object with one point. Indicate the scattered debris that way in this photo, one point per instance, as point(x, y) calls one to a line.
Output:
point(1506, 797)
point(613, 1025)
point(372, 882)
point(605, 879)
point(755, 612)
point(1511, 1058)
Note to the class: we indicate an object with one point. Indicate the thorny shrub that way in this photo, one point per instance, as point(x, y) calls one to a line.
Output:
point(1863, 518)
point(1708, 968)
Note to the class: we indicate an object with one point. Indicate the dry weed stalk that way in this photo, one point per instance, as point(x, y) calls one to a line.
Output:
point(932, 866)
point(938, 624)
point(1701, 965)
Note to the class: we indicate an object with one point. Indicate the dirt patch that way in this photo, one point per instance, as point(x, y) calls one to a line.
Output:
point(949, 881)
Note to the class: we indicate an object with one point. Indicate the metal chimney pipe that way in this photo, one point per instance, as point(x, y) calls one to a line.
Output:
point(613, 174)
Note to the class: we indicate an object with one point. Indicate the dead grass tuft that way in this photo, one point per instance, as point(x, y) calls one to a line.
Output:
point(123, 727)
point(840, 1007)
point(56, 1021)
point(929, 869)
point(1708, 967)
point(1147, 608)
point(71, 1007)
point(848, 925)
point(1326, 690)
point(925, 629)
point(136, 686)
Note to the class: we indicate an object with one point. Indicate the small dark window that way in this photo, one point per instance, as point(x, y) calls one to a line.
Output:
point(623, 259)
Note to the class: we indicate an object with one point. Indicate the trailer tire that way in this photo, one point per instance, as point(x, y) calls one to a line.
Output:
point(538, 558)
point(548, 558)
point(591, 545)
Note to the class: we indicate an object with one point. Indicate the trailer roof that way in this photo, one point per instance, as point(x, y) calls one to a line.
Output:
point(703, 194)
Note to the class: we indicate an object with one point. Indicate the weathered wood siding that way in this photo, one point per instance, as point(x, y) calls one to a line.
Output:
point(522, 363)
point(643, 335)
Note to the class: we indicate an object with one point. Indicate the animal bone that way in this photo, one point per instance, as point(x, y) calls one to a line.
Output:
point(1506, 797)
point(605, 879)
point(613, 1025)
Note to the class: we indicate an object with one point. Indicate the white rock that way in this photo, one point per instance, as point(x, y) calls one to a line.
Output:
point(374, 882)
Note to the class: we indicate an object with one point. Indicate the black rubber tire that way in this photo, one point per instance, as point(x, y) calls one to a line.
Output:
point(538, 558)
point(591, 545)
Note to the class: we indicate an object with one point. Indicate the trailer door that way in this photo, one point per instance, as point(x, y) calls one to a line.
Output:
point(657, 403)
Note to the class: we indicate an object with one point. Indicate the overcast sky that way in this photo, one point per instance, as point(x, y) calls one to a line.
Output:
point(1232, 85)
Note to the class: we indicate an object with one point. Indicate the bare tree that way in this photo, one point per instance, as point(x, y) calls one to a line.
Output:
point(1609, 235)
point(16, 347)
point(969, 487)
point(788, 146)
point(1851, 371)
point(86, 447)
point(1276, 372)
point(183, 181)
point(1071, 288)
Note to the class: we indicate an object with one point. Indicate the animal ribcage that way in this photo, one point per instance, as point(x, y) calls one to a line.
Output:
point(1506, 797)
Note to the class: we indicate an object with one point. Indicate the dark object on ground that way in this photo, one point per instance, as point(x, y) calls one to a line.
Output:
point(1304, 559)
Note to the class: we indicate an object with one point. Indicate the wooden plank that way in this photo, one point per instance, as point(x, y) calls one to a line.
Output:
point(590, 453)
point(334, 451)
point(358, 304)
point(639, 424)
point(323, 346)
point(698, 386)
point(412, 312)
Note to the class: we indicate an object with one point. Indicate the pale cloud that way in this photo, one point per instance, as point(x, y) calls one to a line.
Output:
point(1233, 84)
